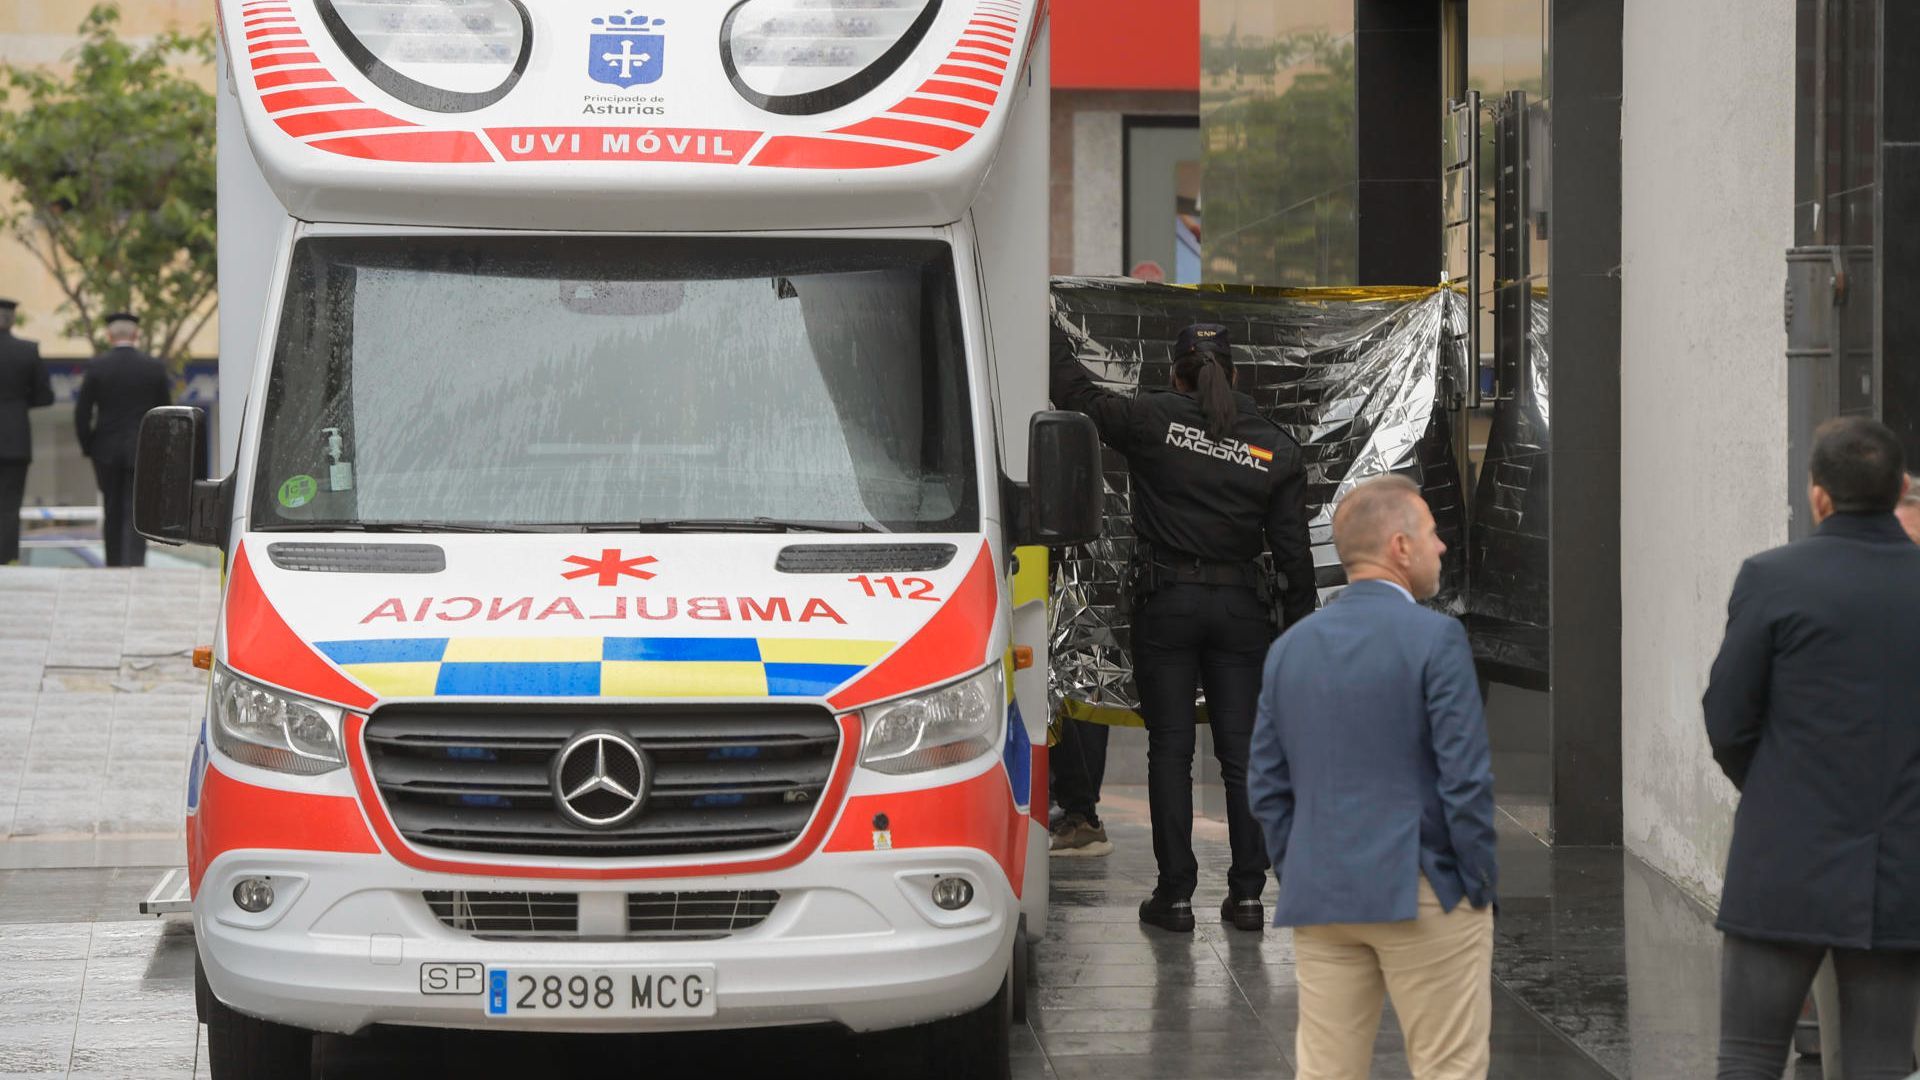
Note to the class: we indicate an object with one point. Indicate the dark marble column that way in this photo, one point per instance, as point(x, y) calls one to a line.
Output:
point(1397, 69)
point(1585, 43)
point(1899, 222)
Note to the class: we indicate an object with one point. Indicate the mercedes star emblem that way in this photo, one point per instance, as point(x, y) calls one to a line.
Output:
point(601, 779)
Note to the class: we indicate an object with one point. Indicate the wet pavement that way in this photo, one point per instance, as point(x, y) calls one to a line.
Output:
point(1603, 969)
point(92, 990)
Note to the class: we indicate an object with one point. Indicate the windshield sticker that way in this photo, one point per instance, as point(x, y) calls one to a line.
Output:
point(298, 491)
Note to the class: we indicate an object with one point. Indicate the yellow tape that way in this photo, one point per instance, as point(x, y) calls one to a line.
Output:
point(1332, 295)
point(1113, 716)
point(1103, 714)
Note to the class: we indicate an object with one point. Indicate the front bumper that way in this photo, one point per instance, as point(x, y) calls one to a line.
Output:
point(855, 940)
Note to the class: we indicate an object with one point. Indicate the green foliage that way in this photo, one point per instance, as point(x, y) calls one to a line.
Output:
point(1282, 160)
point(112, 170)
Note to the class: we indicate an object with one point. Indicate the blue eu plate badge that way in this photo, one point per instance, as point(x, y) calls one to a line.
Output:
point(628, 51)
point(496, 992)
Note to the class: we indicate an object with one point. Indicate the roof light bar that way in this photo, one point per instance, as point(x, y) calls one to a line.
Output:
point(800, 57)
point(447, 56)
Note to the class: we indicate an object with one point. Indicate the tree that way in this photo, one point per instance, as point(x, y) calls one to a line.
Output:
point(113, 177)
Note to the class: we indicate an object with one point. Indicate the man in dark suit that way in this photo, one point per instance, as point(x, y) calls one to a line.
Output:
point(121, 384)
point(23, 385)
point(1372, 779)
point(1813, 710)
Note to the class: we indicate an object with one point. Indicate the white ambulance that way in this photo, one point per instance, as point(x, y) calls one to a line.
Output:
point(635, 505)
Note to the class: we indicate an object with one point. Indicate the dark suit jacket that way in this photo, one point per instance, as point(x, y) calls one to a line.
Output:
point(1370, 763)
point(121, 384)
point(1813, 710)
point(23, 385)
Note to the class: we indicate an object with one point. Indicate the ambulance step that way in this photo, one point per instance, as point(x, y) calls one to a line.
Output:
point(171, 895)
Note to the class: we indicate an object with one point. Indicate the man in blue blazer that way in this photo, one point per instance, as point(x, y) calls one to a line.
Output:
point(1371, 777)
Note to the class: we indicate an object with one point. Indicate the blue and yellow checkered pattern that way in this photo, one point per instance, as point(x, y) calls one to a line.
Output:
point(603, 667)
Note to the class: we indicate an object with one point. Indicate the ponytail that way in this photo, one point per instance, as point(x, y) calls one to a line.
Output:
point(1212, 377)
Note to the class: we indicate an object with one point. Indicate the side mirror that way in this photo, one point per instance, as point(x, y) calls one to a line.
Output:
point(1065, 499)
point(170, 506)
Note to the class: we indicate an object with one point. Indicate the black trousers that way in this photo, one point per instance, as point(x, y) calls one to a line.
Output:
point(13, 490)
point(124, 546)
point(1079, 763)
point(1186, 637)
point(1762, 986)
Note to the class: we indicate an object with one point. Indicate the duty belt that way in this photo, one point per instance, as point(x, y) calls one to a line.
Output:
point(1176, 571)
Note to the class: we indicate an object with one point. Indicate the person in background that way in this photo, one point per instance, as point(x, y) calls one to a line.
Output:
point(1810, 710)
point(1214, 483)
point(23, 385)
point(1826, 988)
point(120, 385)
point(1909, 509)
point(1372, 779)
point(1079, 764)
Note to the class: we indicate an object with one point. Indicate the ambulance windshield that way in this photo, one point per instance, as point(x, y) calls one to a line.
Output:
point(551, 382)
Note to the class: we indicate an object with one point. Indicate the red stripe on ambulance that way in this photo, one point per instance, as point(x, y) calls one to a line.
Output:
point(262, 645)
point(235, 815)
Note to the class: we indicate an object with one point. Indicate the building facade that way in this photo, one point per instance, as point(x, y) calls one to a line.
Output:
point(1626, 189)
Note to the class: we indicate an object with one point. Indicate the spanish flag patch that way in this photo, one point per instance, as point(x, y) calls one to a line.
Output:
point(1263, 455)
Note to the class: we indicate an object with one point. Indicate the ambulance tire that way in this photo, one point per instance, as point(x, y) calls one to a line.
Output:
point(242, 1047)
point(1022, 971)
point(975, 1045)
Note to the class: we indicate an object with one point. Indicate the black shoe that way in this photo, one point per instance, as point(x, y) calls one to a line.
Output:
point(1174, 915)
point(1243, 914)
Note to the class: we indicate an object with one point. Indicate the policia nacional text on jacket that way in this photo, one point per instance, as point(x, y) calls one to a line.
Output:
point(1211, 490)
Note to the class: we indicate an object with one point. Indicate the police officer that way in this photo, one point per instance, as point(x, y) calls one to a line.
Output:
point(1214, 483)
point(23, 385)
point(121, 384)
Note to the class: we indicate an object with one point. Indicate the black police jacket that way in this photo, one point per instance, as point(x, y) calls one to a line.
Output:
point(23, 385)
point(1813, 711)
point(1216, 500)
point(121, 384)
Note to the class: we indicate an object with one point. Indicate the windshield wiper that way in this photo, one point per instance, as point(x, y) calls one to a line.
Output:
point(743, 525)
point(397, 527)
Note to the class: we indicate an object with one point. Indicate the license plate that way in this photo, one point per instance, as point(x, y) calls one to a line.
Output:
point(600, 991)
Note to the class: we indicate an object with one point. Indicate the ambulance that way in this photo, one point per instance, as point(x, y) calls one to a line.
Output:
point(635, 487)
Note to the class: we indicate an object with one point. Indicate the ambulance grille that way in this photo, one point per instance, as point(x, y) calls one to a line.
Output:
point(506, 914)
point(658, 916)
point(697, 914)
point(726, 778)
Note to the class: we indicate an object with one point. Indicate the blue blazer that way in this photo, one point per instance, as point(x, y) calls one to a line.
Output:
point(1370, 762)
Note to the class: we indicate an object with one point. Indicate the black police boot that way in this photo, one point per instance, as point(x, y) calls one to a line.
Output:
point(1174, 915)
point(1243, 914)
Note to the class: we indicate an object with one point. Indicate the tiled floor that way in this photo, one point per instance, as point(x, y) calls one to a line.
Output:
point(1604, 970)
point(93, 991)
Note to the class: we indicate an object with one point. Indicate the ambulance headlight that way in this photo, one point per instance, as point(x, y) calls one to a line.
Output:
point(441, 55)
point(949, 726)
point(270, 729)
point(800, 57)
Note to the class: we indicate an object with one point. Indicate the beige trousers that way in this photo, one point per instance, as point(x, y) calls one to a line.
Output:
point(1438, 968)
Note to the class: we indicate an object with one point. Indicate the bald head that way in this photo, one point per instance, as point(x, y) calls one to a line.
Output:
point(1383, 531)
point(1368, 517)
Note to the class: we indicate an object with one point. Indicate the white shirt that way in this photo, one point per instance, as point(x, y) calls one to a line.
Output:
point(1397, 587)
